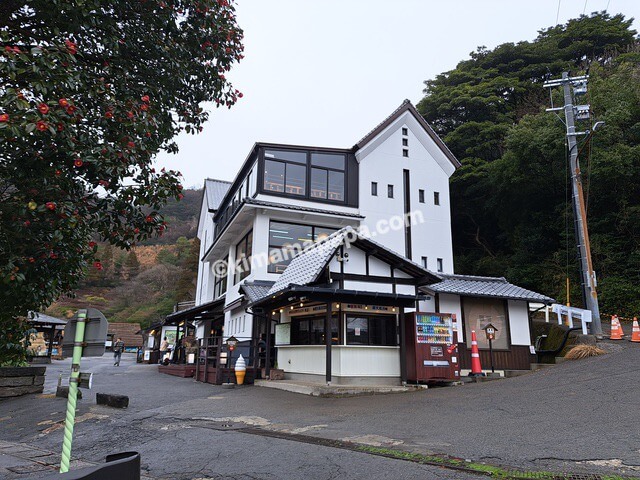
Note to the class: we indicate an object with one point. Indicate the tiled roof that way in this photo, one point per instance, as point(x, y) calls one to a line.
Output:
point(216, 190)
point(253, 201)
point(497, 287)
point(256, 289)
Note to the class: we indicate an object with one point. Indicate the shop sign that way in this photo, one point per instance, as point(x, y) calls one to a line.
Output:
point(231, 343)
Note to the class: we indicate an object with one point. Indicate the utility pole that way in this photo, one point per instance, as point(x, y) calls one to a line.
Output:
point(571, 113)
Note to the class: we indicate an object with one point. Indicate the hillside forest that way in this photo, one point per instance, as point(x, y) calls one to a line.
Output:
point(511, 199)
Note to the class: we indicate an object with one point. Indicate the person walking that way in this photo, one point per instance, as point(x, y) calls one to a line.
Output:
point(118, 348)
point(164, 346)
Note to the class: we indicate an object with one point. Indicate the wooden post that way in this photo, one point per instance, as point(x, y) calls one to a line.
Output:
point(327, 341)
point(403, 347)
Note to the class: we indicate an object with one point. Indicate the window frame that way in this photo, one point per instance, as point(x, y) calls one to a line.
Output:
point(295, 329)
point(421, 196)
point(371, 319)
point(436, 198)
point(220, 281)
point(271, 247)
point(374, 189)
point(238, 276)
point(389, 190)
point(425, 261)
point(440, 265)
point(309, 166)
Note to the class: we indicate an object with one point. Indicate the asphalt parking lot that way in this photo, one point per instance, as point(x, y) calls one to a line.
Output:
point(574, 417)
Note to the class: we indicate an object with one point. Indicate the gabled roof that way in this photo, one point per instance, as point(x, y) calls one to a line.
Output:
point(215, 191)
point(306, 266)
point(42, 319)
point(256, 289)
point(407, 106)
point(496, 287)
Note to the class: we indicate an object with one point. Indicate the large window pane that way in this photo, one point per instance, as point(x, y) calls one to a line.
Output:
point(321, 233)
point(297, 157)
point(336, 185)
point(478, 313)
point(310, 331)
point(282, 234)
point(243, 258)
point(329, 160)
point(318, 183)
point(357, 331)
point(382, 331)
point(296, 179)
point(274, 176)
point(286, 240)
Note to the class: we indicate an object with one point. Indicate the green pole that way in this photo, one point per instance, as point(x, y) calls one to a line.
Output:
point(73, 392)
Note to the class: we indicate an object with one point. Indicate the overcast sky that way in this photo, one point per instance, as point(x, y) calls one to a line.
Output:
point(325, 72)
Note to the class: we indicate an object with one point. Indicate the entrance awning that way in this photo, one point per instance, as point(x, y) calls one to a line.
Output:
point(205, 311)
point(296, 293)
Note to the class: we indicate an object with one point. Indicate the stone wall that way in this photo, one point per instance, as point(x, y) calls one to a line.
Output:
point(16, 381)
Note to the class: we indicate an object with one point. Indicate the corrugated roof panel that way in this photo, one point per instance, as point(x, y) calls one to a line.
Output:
point(216, 190)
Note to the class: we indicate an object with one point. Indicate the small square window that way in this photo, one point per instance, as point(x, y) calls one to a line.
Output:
point(405, 131)
point(424, 262)
point(421, 196)
point(440, 265)
point(436, 198)
point(405, 152)
point(405, 142)
point(390, 191)
point(374, 189)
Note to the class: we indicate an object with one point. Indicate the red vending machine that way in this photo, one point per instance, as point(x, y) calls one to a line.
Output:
point(432, 347)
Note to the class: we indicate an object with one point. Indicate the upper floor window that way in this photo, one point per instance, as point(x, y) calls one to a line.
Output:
point(327, 176)
point(243, 258)
point(285, 172)
point(436, 198)
point(220, 284)
point(405, 131)
point(374, 189)
point(390, 191)
point(424, 262)
point(421, 196)
point(317, 176)
point(287, 239)
point(440, 269)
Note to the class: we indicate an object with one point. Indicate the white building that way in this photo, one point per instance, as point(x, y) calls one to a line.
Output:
point(388, 199)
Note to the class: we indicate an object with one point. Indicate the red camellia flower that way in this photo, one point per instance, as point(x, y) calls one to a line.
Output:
point(60, 127)
point(131, 144)
point(53, 255)
point(71, 47)
point(136, 230)
point(92, 244)
point(50, 205)
point(58, 173)
point(98, 265)
point(32, 260)
point(4, 117)
point(149, 219)
point(78, 163)
point(130, 114)
point(145, 98)
point(42, 125)
point(109, 114)
point(27, 223)
point(63, 102)
point(70, 109)
point(104, 183)
point(180, 196)
point(43, 108)
point(144, 107)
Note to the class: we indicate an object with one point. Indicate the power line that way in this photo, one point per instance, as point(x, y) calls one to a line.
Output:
point(585, 6)
point(558, 12)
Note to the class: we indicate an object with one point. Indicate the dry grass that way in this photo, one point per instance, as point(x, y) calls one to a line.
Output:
point(584, 351)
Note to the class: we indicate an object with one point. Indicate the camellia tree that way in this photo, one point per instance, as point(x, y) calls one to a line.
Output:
point(89, 92)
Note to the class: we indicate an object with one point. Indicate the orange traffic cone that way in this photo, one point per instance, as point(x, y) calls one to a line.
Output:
point(476, 368)
point(635, 331)
point(616, 329)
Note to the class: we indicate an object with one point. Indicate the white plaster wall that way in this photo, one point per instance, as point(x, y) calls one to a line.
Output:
point(379, 268)
point(368, 286)
point(357, 261)
point(428, 305)
point(383, 162)
point(303, 359)
point(519, 323)
point(406, 289)
point(451, 304)
point(361, 361)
